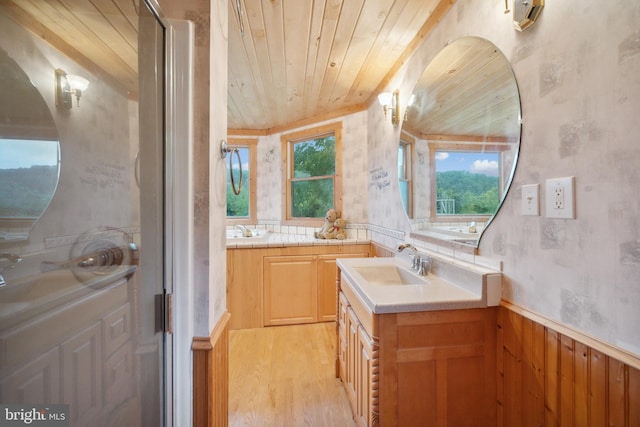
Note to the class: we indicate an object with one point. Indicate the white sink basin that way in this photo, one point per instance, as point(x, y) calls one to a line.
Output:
point(389, 275)
point(388, 285)
point(255, 234)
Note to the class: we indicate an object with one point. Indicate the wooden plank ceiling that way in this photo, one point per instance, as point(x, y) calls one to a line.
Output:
point(295, 62)
point(300, 60)
point(100, 35)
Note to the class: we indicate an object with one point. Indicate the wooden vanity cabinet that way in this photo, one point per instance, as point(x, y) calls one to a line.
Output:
point(284, 285)
point(417, 368)
point(46, 359)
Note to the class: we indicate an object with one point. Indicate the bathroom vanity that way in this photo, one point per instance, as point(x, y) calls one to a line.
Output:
point(415, 350)
point(284, 281)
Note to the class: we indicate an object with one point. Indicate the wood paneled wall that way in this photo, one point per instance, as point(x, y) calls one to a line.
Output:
point(211, 376)
point(550, 375)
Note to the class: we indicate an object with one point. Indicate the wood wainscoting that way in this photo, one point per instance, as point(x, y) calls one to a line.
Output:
point(211, 376)
point(551, 375)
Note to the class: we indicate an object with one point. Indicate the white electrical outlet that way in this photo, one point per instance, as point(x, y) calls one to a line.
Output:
point(560, 198)
point(530, 199)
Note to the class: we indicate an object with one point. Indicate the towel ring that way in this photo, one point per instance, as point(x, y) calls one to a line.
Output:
point(236, 190)
point(224, 150)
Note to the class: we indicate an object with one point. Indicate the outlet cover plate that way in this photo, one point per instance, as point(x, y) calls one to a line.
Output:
point(531, 199)
point(560, 197)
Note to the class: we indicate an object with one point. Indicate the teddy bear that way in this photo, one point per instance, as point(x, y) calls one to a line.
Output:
point(340, 226)
point(339, 230)
point(328, 226)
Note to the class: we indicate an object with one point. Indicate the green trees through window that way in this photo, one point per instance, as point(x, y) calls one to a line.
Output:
point(465, 193)
point(467, 182)
point(26, 192)
point(313, 177)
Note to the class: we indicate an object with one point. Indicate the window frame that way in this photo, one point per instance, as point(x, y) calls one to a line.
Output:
point(251, 144)
point(287, 142)
point(464, 147)
point(409, 142)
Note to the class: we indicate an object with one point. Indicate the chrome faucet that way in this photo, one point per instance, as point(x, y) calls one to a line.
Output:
point(245, 231)
point(12, 259)
point(424, 266)
point(420, 264)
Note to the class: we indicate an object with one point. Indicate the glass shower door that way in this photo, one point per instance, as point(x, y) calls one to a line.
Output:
point(83, 281)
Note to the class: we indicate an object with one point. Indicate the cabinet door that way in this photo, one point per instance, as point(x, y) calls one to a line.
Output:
point(363, 378)
point(36, 382)
point(290, 290)
point(244, 288)
point(352, 357)
point(342, 338)
point(327, 271)
point(82, 354)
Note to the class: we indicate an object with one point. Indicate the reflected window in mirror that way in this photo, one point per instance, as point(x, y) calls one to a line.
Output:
point(467, 180)
point(29, 173)
point(405, 172)
point(29, 152)
point(241, 208)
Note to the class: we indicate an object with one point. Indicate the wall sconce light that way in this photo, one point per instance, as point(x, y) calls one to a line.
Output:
point(390, 101)
point(525, 13)
point(67, 85)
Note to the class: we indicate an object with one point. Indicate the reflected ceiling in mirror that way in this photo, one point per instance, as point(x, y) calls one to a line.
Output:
point(459, 143)
point(29, 152)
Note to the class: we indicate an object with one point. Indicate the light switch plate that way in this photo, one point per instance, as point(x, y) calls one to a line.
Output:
point(531, 199)
point(560, 198)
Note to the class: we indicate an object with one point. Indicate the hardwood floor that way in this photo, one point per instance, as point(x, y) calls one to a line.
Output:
point(285, 376)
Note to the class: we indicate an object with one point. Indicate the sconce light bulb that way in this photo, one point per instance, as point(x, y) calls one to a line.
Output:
point(77, 82)
point(385, 99)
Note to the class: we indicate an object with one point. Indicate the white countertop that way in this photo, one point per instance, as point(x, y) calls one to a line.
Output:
point(275, 240)
point(438, 294)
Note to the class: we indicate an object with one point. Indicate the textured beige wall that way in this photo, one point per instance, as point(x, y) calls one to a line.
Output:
point(578, 70)
point(354, 164)
point(218, 180)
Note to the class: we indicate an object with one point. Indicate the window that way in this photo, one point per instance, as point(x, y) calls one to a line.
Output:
point(241, 208)
point(312, 173)
point(467, 179)
point(405, 172)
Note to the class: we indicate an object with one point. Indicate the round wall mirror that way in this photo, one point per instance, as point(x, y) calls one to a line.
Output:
point(459, 143)
point(29, 152)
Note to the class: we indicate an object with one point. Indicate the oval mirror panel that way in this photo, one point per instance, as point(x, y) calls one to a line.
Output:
point(459, 142)
point(29, 152)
